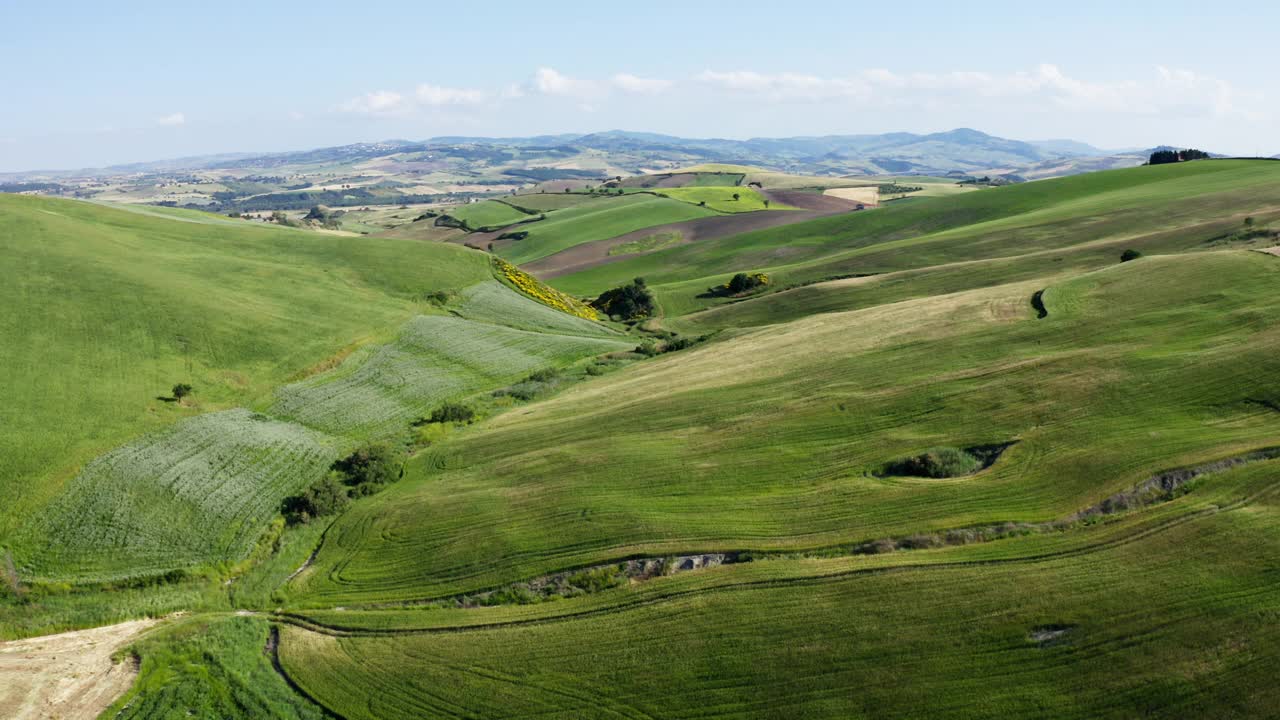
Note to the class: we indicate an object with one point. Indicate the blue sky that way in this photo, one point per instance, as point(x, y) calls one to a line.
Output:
point(88, 84)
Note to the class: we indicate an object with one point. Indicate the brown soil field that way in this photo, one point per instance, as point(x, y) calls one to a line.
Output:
point(819, 202)
point(589, 255)
point(70, 675)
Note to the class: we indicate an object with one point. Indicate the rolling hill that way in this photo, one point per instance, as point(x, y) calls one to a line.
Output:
point(954, 459)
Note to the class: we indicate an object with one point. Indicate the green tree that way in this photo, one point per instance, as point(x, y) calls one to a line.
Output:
point(1130, 254)
point(370, 467)
point(325, 497)
point(182, 390)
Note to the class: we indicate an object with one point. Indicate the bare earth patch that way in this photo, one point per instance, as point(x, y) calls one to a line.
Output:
point(864, 195)
point(69, 675)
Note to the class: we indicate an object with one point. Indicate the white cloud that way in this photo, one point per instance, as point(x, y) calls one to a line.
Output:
point(172, 119)
point(549, 82)
point(378, 102)
point(295, 115)
point(640, 85)
point(435, 95)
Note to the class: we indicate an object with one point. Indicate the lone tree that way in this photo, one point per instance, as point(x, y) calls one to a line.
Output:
point(1130, 254)
point(182, 390)
point(736, 197)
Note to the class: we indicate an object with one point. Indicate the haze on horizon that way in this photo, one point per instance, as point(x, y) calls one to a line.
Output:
point(103, 86)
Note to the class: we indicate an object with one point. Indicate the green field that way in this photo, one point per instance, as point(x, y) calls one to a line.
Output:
point(1179, 209)
point(487, 214)
point(598, 220)
point(746, 526)
point(722, 198)
point(546, 202)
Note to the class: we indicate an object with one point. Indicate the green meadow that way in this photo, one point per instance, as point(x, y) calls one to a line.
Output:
point(955, 459)
point(598, 220)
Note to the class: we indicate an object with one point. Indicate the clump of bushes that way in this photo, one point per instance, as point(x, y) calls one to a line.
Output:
point(326, 497)
point(629, 302)
point(938, 462)
point(650, 348)
point(1130, 254)
point(451, 412)
point(740, 284)
point(1164, 157)
point(369, 468)
point(537, 383)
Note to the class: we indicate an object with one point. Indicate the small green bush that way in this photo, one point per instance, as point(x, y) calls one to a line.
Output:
point(451, 412)
point(939, 462)
point(1130, 254)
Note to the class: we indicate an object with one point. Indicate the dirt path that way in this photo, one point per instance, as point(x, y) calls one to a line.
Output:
point(70, 675)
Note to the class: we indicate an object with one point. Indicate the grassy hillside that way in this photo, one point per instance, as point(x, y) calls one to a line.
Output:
point(1167, 623)
point(192, 484)
point(1055, 215)
point(722, 198)
point(785, 453)
point(487, 214)
point(108, 309)
point(598, 220)
point(956, 460)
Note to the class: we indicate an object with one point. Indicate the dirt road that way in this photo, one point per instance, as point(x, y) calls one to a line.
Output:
point(69, 675)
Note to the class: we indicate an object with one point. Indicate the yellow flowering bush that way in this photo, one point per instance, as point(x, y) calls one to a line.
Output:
point(536, 289)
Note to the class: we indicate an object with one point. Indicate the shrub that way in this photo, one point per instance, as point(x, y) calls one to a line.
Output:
point(939, 462)
point(370, 467)
point(451, 412)
point(325, 497)
point(628, 302)
point(1130, 254)
point(182, 390)
point(740, 284)
point(543, 375)
point(538, 382)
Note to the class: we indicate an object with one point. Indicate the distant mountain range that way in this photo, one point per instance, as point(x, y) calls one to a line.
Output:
point(962, 151)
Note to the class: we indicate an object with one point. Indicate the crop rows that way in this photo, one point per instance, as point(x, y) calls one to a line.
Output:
point(1043, 639)
point(198, 492)
point(433, 359)
point(493, 302)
